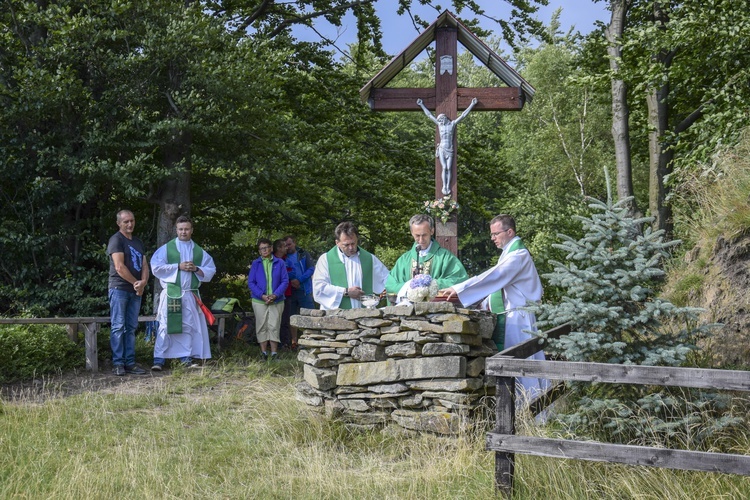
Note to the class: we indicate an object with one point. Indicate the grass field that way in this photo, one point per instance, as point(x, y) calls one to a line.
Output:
point(234, 430)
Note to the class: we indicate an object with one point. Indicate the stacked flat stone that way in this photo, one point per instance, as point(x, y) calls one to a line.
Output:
point(419, 366)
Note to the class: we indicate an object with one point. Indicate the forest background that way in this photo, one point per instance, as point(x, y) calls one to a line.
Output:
point(214, 109)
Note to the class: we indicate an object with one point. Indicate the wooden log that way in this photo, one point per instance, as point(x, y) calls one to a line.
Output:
point(730, 380)
point(405, 99)
point(623, 454)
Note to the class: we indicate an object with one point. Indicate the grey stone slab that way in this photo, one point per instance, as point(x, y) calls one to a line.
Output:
point(403, 350)
point(446, 384)
point(322, 379)
point(444, 349)
point(323, 323)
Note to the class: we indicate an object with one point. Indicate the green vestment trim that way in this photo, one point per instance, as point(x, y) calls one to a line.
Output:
point(497, 305)
point(174, 290)
point(439, 263)
point(337, 272)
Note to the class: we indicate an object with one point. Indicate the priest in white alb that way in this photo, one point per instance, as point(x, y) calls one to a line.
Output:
point(347, 272)
point(506, 289)
point(181, 266)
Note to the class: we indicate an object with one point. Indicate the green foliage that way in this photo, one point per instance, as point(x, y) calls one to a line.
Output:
point(670, 418)
point(610, 296)
point(28, 351)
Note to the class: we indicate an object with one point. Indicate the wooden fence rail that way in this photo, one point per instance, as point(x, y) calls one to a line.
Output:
point(90, 326)
point(511, 363)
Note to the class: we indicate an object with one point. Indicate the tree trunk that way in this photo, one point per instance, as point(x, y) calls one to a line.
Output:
point(173, 196)
point(660, 156)
point(620, 109)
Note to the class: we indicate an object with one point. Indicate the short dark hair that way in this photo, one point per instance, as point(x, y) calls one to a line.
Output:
point(183, 218)
point(262, 241)
point(289, 237)
point(277, 244)
point(346, 228)
point(421, 219)
point(507, 221)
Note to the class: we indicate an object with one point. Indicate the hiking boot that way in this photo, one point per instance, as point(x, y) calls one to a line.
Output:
point(157, 368)
point(118, 370)
point(134, 370)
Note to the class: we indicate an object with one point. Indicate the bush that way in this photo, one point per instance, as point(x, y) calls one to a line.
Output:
point(27, 351)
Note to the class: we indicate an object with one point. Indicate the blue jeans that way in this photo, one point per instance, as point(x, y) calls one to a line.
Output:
point(124, 308)
point(299, 299)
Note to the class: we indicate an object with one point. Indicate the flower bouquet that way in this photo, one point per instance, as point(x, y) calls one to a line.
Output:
point(442, 208)
point(422, 288)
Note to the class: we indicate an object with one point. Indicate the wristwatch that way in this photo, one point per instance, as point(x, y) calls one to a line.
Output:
point(346, 292)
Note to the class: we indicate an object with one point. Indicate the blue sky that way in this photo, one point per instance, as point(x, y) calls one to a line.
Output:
point(398, 31)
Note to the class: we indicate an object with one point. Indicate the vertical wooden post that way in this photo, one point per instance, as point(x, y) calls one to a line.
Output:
point(505, 423)
point(91, 331)
point(72, 331)
point(446, 102)
point(220, 333)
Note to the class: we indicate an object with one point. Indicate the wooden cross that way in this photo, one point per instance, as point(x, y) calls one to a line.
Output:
point(447, 98)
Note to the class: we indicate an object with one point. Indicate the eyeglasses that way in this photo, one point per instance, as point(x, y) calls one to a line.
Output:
point(263, 249)
point(492, 235)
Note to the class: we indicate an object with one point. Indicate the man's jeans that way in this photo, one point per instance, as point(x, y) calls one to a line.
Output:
point(124, 308)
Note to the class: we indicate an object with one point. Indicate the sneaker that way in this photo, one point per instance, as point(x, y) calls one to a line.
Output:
point(157, 368)
point(134, 370)
point(274, 357)
point(264, 356)
point(195, 365)
point(295, 346)
point(118, 370)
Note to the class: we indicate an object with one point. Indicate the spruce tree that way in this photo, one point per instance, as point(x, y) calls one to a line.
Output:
point(609, 285)
point(610, 298)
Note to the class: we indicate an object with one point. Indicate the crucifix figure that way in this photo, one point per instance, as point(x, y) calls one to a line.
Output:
point(447, 99)
point(444, 151)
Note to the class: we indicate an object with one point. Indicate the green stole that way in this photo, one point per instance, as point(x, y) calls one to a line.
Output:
point(174, 290)
point(497, 305)
point(337, 272)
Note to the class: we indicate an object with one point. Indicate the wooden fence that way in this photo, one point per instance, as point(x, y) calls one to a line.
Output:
point(511, 363)
point(90, 326)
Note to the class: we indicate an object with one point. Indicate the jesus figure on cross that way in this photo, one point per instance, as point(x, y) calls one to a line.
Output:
point(447, 130)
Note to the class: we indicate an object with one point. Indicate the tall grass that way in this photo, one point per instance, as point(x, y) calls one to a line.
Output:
point(235, 430)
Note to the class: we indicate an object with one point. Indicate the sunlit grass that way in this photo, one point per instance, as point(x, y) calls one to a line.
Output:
point(235, 430)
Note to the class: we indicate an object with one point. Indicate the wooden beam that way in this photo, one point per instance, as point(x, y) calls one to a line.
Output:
point(405, 99)
point(622, 454)
point(701, 378)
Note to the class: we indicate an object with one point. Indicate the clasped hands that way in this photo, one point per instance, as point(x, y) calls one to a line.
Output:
point(140, 287)
point(188, 266)
point(268, 298)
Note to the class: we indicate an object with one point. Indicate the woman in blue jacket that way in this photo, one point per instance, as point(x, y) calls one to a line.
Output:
point(267, 281)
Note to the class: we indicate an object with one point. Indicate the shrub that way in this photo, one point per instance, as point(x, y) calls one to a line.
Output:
point(27, 351)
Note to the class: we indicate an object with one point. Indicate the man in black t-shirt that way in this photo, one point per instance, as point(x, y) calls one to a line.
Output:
point(128, 276)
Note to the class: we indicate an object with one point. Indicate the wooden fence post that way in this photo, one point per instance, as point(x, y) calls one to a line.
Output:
point(505, 421)
point(91, 331)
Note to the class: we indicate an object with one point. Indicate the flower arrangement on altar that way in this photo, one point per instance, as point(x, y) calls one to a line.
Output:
point(441, 208)
point(422, 288)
